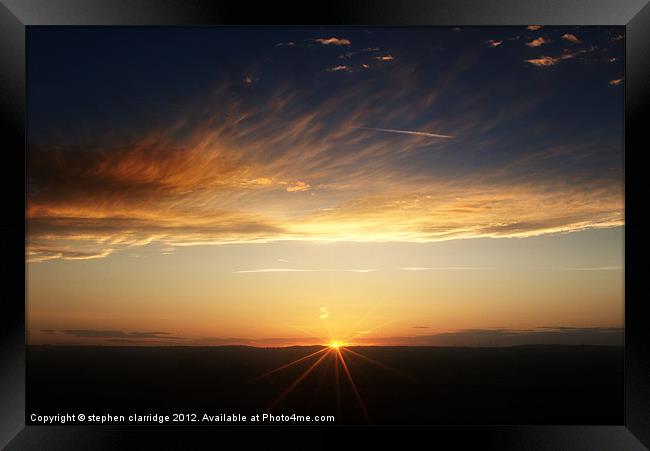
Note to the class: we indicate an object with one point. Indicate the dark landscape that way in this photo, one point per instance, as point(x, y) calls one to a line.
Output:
point(396, 385)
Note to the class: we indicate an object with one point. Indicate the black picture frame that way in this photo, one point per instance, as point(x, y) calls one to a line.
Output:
point(16, 15)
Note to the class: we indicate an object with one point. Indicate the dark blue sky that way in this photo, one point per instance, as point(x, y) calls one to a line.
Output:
point(90, 86)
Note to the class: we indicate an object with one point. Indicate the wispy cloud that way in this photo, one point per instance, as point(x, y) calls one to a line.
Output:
point(324, 313)
point(494, 43)
point(443, 268)
point(271, 270)
point(617, 81)
point(534, 27)
point(239, 174)
point(37, 254)
point(94, 333)
point(285, 44)
point(603, 336)
point(333, 41)
point(105, 337)
point(297, 187)
point(384, 58)
point(594, 268)
point(339, 68)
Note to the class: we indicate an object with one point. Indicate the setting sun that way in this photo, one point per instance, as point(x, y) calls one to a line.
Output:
point(335, 344)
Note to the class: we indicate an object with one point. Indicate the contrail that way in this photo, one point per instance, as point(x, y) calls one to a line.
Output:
point(406, 132)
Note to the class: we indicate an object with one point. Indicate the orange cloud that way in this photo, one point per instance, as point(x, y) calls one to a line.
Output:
point(617, 81)
point(534, 27)
point(298, 187)
point(384, 58)
point(333, 41)
point(44, 253)
point(546, 61)
point(571, 38)
point(537, 42)
point(543, 61)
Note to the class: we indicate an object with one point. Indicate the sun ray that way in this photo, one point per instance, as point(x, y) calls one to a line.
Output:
point(337, 384)
point(358, 334)
point(379, 364)
point(339, 348)
point(353, 385)
point(309, 333)
point(297, 381)
point(346, 335)
point(294, 362)
point(329, 331)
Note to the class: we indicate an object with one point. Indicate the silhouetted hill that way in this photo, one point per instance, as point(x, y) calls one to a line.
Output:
point(539, 384)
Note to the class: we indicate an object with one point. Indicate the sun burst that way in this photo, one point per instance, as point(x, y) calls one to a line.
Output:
point(336, 344)
point(337, 349)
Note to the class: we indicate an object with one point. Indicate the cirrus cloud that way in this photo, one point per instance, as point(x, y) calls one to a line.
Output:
point(236, 176)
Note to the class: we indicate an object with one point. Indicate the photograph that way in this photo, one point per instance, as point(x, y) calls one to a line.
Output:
point(332, 225)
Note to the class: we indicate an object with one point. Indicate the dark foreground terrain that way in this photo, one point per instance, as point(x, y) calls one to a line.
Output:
point(398, 385)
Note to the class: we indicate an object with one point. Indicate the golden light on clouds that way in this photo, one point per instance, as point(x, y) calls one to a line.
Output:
point(329, 173)
point(441, 212)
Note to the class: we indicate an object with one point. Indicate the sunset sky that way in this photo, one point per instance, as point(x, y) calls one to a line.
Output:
point(278, 186)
